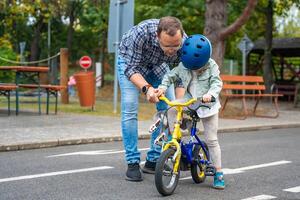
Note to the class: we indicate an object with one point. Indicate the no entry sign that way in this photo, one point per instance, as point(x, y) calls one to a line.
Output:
point(85, 62)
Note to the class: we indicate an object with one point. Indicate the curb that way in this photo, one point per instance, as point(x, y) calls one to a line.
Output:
point(65, 142)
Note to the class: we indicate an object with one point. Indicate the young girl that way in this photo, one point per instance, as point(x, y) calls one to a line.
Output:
point(199, 76)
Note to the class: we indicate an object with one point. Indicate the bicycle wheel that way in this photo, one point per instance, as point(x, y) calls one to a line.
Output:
point(165, 178)
point(198, 169)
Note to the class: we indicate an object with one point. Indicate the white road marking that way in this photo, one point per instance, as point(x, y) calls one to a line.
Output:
point(243, 169)
point(261, 197)
point(17, 178)
point(293, 189)
point(99, 152)
point(185, 178)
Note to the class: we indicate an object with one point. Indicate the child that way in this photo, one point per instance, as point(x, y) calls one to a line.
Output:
point(199, 75)
point(71, 84)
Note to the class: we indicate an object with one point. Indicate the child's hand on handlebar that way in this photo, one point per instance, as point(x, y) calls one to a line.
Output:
point(207, 98)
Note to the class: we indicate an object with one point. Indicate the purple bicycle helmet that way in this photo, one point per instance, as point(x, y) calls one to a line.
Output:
point(195, 52)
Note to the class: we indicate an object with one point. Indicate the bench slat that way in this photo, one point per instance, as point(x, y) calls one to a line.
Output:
point(253, 95)
point(8, 87)
point(243, 87)
point(51, 87)
point(237, 78)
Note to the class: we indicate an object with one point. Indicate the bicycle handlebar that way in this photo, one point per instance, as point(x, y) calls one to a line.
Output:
point(170, 103)
point(185, 104)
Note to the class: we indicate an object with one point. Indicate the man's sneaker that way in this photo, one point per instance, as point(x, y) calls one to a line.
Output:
point(219, 182)
point(149, 167)
point(133, 172)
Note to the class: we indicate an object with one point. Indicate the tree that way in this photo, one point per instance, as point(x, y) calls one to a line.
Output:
point(281, 8)
point(215, 25)
point(267, 65)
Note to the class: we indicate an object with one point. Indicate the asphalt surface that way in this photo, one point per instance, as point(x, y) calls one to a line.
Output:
point(256, 163)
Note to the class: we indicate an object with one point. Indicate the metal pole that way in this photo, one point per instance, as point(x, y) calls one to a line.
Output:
point(116, 57)
point(244, 62)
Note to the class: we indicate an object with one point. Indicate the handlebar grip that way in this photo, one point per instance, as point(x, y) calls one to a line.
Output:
point(212, 100)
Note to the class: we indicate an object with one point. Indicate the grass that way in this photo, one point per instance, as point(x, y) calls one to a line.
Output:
point(103, 107)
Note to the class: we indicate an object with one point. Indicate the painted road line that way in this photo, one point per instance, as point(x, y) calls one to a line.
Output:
point(54, 174)
point(90, 153)
point(243, 169)
point(293, 189)
point(261, 197)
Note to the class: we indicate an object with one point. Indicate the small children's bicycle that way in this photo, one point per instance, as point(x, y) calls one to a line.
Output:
point(178, 155)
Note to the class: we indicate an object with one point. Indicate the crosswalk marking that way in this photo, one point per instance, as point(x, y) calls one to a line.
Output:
point(54, 174)
point(293, 189)
point(260, 197)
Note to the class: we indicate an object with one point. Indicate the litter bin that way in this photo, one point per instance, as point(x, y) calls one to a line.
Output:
point(85, 83)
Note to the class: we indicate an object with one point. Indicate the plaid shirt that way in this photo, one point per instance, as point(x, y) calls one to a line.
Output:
point(141, 50)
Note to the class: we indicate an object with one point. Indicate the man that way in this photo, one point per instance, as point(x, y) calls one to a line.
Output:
point(145, 54)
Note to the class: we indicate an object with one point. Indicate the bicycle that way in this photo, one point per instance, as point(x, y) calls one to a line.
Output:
point(178, 155)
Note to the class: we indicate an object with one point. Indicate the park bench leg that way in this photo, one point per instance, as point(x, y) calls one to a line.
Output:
point(275, 106)
point(224, 105)
point(297, 95)
point(47, 106)
point(39, 100)
point(244, 108)
point(56, 94)
point(8, 99)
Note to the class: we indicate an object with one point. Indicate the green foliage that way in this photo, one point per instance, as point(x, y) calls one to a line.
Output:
point(91, 23)
point(191, 12)
point(7, 53)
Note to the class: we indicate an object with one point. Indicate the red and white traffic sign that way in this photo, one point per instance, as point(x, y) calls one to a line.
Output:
point(85, 62)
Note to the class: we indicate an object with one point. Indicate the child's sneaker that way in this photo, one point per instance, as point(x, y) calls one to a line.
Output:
point(219, 182)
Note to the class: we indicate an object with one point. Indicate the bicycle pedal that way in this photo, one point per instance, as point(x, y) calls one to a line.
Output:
point(210, 170)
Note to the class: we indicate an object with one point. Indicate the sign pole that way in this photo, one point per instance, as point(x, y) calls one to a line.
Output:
point(245, 46)
point(120, 20)
point(244, 62)
point(116, 57)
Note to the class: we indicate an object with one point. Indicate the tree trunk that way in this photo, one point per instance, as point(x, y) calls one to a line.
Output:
point(215, 25)
point(267, 67)
point(34, 48)
point(71, 28)
point(215, 21)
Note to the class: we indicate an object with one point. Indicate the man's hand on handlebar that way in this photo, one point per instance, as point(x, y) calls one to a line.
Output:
point(160, 92)
point(152, 95)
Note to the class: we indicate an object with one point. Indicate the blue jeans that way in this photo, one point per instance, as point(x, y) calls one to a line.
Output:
point(129, 111)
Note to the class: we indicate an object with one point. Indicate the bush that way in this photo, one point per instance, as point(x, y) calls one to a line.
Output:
point(6, 52)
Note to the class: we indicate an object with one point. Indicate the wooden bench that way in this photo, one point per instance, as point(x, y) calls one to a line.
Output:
point(5, 90)
point(246, 87)
point(287, 90)
point(50, 90)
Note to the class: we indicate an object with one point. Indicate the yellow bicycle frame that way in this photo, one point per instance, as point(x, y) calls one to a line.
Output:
point(176, 135)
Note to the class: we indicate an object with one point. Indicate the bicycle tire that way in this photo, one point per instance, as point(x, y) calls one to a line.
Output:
point(197, 169)
point(164, 166)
